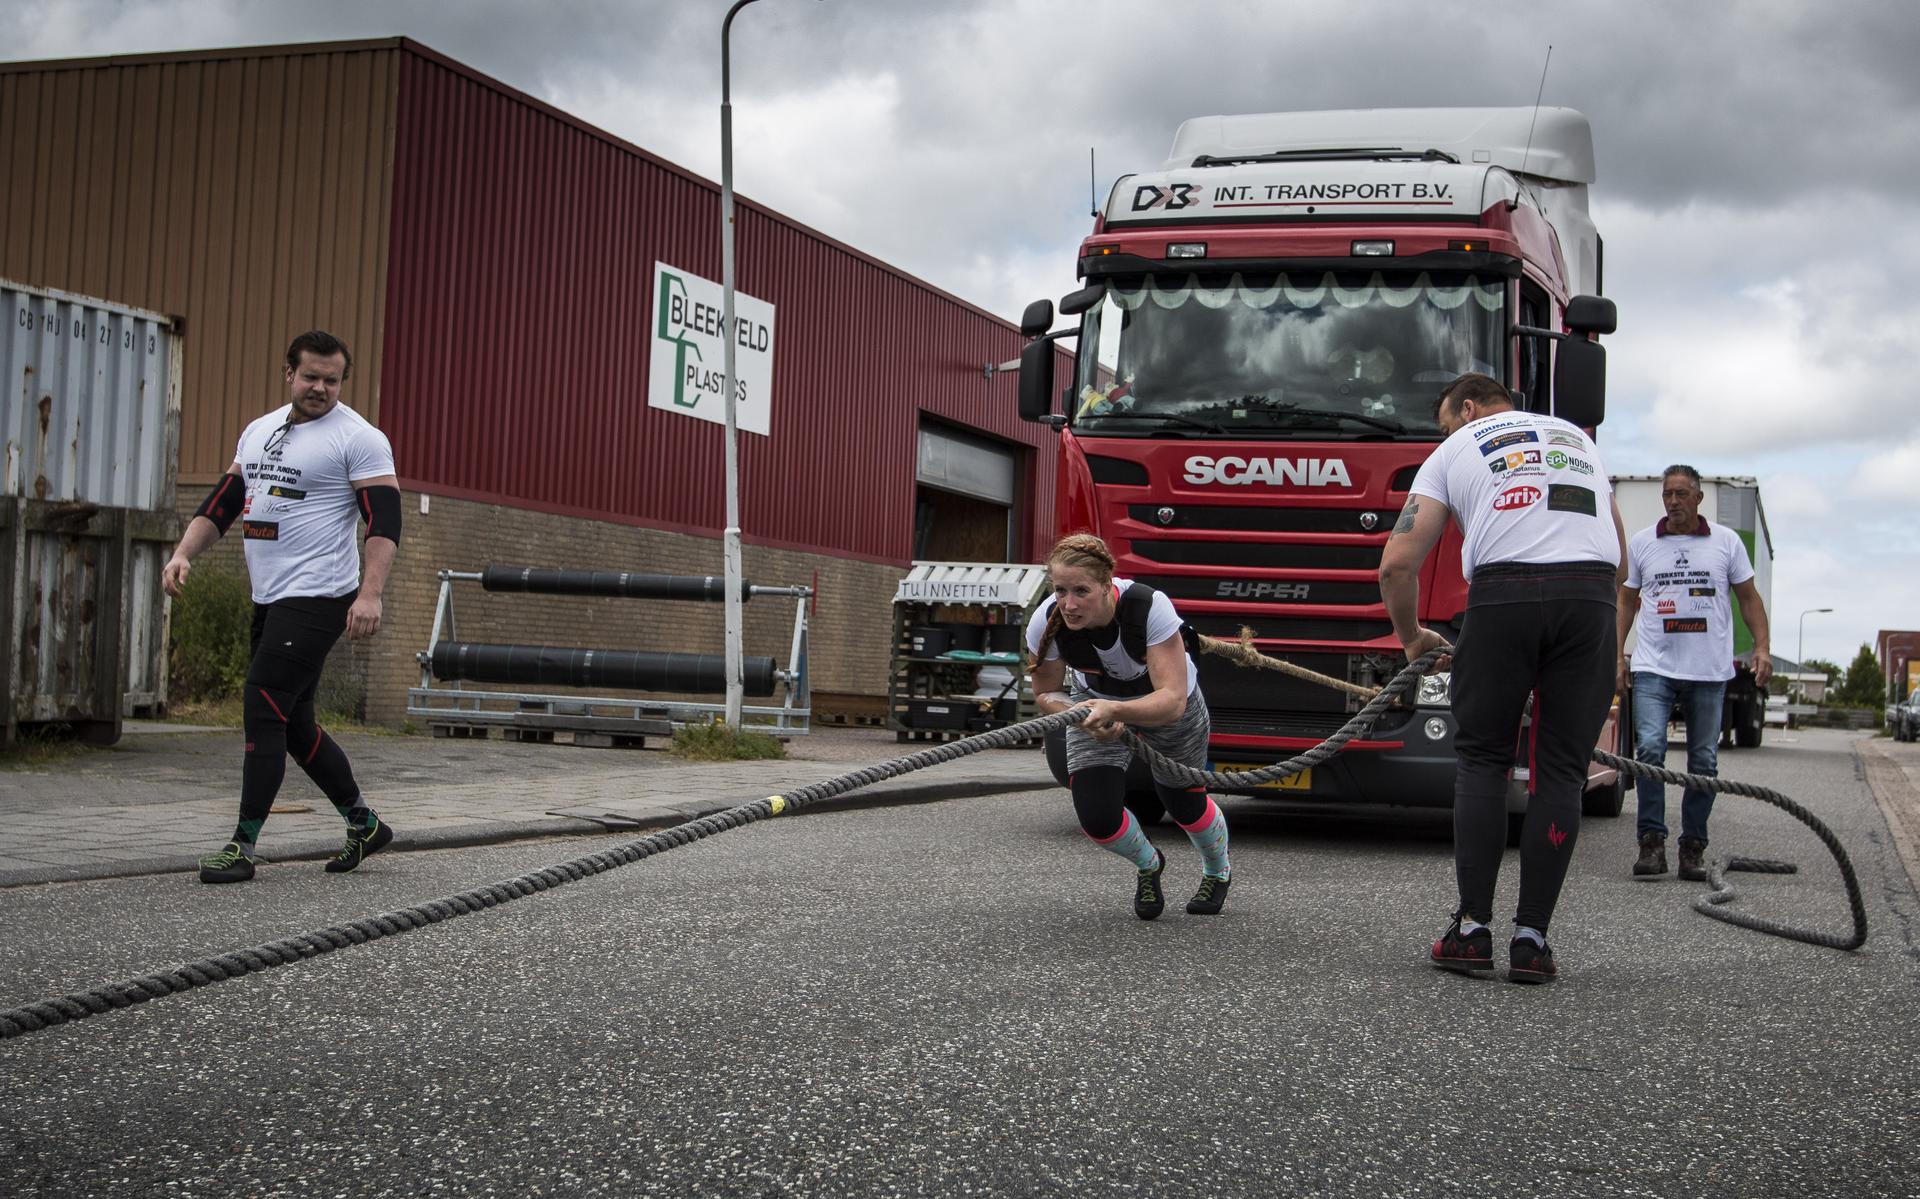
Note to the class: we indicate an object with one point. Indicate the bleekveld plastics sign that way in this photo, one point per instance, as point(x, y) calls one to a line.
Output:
point(689, 359)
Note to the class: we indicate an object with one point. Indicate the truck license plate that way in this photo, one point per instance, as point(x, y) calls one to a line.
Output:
point(1299, 782)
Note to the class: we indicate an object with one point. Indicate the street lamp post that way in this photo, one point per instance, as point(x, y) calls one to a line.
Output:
point(1799, 659)
point(730, 539)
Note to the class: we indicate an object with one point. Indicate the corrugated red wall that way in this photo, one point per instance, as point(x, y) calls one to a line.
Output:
point(516, 357)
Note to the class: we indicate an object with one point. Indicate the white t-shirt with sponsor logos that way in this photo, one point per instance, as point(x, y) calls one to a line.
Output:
point(1524, 488)
point(1162, 622)
point(300, 517)
point(1685, 626)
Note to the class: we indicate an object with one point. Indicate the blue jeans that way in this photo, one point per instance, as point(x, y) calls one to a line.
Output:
point(1700, 706)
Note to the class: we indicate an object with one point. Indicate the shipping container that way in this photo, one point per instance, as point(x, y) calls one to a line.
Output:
point(90, 414)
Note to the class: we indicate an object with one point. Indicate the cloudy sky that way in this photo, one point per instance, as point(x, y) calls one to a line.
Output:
point(1758, 164)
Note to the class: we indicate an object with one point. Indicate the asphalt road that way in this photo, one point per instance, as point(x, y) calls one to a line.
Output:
point(955, 999)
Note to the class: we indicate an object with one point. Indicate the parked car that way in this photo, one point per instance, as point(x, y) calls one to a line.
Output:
point(1903, 719)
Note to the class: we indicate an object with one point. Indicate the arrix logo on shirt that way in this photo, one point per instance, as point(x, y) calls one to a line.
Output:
point(1244, 472)
point(1516, 497)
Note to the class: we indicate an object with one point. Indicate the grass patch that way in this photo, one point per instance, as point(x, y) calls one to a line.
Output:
point(211, 631)
point(37, 749)
point(226, 713)
point(718, 741)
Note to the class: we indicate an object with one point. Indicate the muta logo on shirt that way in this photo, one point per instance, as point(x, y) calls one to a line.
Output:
point(1245, 472)
point(1516, 497)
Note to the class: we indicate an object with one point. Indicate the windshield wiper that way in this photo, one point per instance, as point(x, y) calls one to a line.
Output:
point(1319, 415)
point(1173, 418)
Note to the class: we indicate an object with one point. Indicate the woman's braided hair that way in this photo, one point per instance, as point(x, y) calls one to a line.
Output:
point(1087, 552)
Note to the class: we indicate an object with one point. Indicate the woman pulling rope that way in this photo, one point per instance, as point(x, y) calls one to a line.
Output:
point(1119, 648)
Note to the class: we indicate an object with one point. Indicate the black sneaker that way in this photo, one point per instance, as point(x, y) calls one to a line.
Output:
point(1693, 860)
point(360, 843)
point(1530, 963)
point(1210, 898)
point(1653, 855)
point(230, 865)
point(1148, 900)
point(1471, 953)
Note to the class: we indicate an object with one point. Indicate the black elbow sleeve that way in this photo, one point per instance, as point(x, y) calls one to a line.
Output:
point(380, 508)
point(224, 502)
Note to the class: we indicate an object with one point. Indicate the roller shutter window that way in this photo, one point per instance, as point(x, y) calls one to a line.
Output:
point(956, 461)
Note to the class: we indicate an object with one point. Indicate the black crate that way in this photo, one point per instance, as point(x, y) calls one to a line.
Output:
point(939, 713)
point(927, 641)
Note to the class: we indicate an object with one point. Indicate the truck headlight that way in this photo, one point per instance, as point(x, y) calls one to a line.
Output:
point(1436, 690)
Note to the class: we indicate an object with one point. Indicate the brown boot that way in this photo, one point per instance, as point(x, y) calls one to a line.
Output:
point(1653, 855)
point(1693, 865)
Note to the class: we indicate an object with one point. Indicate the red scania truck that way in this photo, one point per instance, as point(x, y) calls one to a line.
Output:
point(1266, 321)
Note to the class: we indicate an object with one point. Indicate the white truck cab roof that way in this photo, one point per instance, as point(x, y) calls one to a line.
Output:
point(1335, 164)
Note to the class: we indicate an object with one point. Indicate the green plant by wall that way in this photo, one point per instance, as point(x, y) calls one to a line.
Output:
point(718, 741)
point(208, 638)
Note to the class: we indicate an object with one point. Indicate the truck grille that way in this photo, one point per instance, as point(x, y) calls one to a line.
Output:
point(1259, 554)
point(1292, 628)
point(1253, 519)
point(1251, 722)
point(1263, 591)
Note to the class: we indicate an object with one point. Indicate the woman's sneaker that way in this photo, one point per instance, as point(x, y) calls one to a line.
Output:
point(1471, 953)
point(231, 865)
point(1210, 898)
point(1148, 899)
point(1530, 963)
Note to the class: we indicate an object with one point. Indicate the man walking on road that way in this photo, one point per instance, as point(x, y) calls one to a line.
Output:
point(1541, 551)
point(1679, 572)
point(299, 477)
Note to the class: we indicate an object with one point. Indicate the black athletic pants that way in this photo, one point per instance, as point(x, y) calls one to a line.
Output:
point(1545, 630)
point(291, 638)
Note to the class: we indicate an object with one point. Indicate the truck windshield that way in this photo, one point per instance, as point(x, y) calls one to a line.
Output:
point(1323, 355)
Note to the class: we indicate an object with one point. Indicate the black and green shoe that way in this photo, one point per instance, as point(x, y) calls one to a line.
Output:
point(1148, 899)
point(1210, 898)
point(230, 865)
point(361, 842)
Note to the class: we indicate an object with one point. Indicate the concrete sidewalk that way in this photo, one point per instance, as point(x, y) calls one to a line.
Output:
point(166, 796)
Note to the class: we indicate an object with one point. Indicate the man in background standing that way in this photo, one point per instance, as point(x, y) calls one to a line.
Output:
point(1679, 573)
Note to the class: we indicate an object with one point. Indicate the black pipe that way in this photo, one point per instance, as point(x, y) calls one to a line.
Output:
point(627, 669)
point(624, 584)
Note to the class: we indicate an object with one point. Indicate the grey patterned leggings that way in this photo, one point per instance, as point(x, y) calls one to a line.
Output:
point(1097, 770)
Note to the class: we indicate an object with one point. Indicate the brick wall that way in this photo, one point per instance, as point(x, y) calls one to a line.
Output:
point(851, 621)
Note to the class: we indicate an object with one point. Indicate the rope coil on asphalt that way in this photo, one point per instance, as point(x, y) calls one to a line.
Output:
point(32, 1017)
point(1711, 904)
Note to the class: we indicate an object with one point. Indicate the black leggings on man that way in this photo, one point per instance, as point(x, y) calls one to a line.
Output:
point(291, 638)
point(1545, 630)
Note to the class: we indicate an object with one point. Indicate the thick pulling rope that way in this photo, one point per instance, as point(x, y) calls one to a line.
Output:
point(32, 1017)
point(79, 1005)
point(1711, 904)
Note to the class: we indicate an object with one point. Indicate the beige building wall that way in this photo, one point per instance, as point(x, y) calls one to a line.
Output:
point(245, 191)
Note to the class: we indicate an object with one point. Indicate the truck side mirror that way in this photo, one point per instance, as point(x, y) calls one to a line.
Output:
point(1037, 319)
point(1579, 381)
point(1036, 377)
point(1591, 314)
point(1075, 303)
